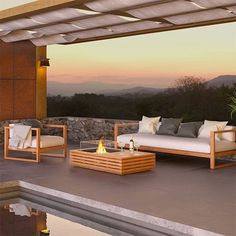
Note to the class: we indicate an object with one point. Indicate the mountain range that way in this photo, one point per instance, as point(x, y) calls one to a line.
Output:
point(226, 80)
point(69, 89)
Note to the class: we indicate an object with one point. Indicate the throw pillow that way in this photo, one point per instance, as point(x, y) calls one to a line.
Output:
point(208, 126)
point(189, 129)
point(146, 128)
point(149, 125)
point(11, 126)
point(154, 120)
point(169, 126)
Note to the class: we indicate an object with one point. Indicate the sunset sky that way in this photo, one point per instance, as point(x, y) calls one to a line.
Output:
point(153, 59)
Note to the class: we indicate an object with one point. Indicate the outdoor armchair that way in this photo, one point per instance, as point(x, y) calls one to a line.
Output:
point(40, 145)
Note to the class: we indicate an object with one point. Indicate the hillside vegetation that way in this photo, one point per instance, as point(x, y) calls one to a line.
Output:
point(190, 99)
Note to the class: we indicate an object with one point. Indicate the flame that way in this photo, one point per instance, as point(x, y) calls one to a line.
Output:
point(101, 148)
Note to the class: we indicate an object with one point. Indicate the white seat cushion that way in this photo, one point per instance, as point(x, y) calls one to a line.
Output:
point(48, 141)
point(177, 143)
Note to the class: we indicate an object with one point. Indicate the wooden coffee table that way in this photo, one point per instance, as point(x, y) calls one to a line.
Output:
point(115, 161)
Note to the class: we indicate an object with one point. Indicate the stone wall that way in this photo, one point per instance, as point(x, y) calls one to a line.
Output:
point(79, 128)
point(91, 128)
point(82, 128)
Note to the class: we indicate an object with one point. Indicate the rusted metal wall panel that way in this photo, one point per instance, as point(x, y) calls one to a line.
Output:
point(17, 80)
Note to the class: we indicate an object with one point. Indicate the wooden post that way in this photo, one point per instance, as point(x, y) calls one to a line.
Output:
point(65, 141)
point(41, 84)
point(6, 142)
point(115, 134)
point(212, 150)
point(38, 144)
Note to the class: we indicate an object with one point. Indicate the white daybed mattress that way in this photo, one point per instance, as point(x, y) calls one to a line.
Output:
point(177, 143)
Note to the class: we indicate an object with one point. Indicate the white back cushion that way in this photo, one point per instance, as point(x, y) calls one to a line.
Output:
point(208, 126)
point(149, 125)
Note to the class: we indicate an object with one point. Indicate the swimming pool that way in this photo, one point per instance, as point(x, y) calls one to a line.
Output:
point(65, 214)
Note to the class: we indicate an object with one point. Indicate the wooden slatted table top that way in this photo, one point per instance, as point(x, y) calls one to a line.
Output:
point(115, 153)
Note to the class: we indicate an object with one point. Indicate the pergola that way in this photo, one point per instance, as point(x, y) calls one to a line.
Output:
point(25, 31)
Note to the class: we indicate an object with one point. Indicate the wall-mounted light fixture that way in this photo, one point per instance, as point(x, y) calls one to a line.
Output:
point(45, 232)
point(44, 62)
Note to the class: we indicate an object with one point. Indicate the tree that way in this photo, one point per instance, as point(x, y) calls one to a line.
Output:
point(190, 99)
point(233, 104)
point(189, 83)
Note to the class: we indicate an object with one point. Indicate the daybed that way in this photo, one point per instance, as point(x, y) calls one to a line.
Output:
point(197, 147)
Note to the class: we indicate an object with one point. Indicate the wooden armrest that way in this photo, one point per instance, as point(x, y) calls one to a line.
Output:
point(214, 133)
point(223, 131)
point(63, 127)
point(213, 138)
point(117, 126)
point(126, 124)
point(8, 128)
point(54, 126)
point(35, 129)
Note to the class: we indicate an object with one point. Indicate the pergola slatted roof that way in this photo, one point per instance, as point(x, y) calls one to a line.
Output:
point(66, 21)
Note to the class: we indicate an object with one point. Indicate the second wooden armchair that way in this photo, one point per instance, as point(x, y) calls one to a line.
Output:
point(41, 144)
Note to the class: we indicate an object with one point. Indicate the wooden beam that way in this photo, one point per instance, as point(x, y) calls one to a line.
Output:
point(120, 12)
point(47, 5)
point(31, 10)
point(163, 29)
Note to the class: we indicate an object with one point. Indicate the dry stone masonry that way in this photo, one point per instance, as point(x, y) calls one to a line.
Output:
point(82, 128)
point(79, 128)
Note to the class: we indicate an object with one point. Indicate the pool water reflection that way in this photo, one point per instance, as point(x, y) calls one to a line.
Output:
point(21, 220)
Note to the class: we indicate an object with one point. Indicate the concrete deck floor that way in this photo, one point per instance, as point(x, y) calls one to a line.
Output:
point(180, 189)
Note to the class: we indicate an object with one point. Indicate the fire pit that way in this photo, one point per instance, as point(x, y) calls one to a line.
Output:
point(102, 155)
point(101, 146)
